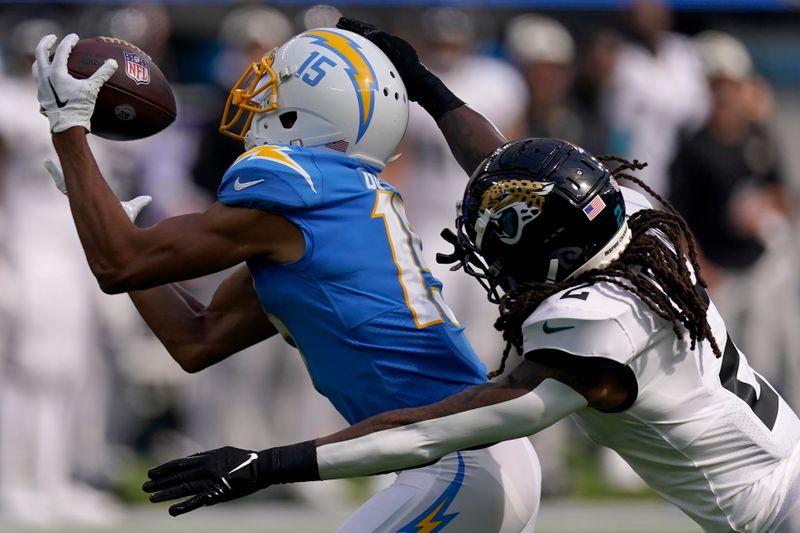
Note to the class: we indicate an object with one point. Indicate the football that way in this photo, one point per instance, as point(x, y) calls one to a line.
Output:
point(137, 101)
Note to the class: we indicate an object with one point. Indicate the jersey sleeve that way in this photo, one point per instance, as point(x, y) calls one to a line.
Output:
point(276, 180)
point(592, 321)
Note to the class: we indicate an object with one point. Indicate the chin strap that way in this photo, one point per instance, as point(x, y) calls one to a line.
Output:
point(608, 253)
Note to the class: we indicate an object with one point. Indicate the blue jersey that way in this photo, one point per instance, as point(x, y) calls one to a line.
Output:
point(360, 306)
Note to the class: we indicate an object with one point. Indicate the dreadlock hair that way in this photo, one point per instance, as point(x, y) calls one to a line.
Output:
point(662, 280)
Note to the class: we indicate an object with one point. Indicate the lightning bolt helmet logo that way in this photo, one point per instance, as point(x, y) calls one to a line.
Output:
point(323, 88)
point(358, 69)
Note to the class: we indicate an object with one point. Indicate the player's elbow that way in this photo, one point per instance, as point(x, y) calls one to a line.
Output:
point(108, 282)
point(193, 359)
point(113, 281)
point(191, 366)
point(427, 454)
point(122, 268)
point(116, 277)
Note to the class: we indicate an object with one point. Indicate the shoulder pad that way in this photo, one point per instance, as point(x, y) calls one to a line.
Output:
point(600, 320)
point(272, 177)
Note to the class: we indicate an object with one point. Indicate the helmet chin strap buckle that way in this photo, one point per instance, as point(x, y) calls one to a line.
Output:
point(552, 270)
point(480, 226)
point(609, 253)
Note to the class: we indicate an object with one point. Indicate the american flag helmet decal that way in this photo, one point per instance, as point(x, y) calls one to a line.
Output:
point(594, 207)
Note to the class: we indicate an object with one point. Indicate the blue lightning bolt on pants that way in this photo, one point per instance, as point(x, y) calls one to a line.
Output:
point(493, 490)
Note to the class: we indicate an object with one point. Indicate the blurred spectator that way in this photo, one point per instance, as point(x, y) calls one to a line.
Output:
point(658, 91)
point(146, 25)
point(591, 91)
point(53, 372)
point(727, 183)
point(565, 102)
point(245, 35)
point(432, 181)
point(320, 16)
point(545, 52)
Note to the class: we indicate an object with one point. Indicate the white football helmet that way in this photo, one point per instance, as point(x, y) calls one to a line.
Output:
point(324, 87)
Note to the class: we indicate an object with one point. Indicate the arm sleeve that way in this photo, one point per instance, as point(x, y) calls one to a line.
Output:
point(423, 442)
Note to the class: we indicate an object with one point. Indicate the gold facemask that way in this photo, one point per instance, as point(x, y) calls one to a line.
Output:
point(255, 92)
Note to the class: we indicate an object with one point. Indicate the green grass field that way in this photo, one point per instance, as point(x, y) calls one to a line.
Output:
point(559, 516)
point(592, 507)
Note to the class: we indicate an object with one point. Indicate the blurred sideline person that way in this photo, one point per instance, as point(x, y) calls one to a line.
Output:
point(544, 51)
point(603, 296)
point(729, 186)
point(244, 35)
point(658, 92)
point(567, 94)
point(55, 382)
point(330, 261)
point(431, 180)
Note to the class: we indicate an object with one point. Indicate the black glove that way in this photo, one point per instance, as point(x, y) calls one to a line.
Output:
point(206, 478)
point(422, 85)
point(229, 473)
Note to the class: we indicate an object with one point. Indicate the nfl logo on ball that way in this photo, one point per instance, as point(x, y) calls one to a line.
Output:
point(136, 68)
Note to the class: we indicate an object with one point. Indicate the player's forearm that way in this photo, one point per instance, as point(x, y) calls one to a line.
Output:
point(471, 420)
point(198, 335)
point(470, 135)
point(104, 229)
point(178, 320)
point(409, 438)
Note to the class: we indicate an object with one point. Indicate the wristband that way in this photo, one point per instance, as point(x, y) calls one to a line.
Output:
point(288, 464)
point(432, 94)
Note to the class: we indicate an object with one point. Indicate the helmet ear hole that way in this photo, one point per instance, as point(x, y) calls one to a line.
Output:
point(288, 119)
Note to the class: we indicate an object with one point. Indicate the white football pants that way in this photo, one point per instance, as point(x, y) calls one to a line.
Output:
point(492, 490)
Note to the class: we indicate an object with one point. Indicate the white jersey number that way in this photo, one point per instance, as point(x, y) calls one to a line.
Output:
point(426, 305)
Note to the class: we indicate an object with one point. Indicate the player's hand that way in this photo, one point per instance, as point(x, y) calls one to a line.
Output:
point(399, 51)
point(132, 207)
point(205, 478)
point(66, 101)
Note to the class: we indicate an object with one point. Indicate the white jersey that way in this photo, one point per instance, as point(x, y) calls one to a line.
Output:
point(708, 434)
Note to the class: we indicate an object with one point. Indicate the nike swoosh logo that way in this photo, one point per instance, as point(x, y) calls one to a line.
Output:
point(59, 102)
point(554, 329)
point(238, 185)
point(253, 457)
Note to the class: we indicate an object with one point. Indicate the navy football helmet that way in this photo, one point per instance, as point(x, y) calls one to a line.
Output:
point(540, 210)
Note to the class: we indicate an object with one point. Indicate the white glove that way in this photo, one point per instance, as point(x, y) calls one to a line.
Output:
point(66, 101)
point(131, 207)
